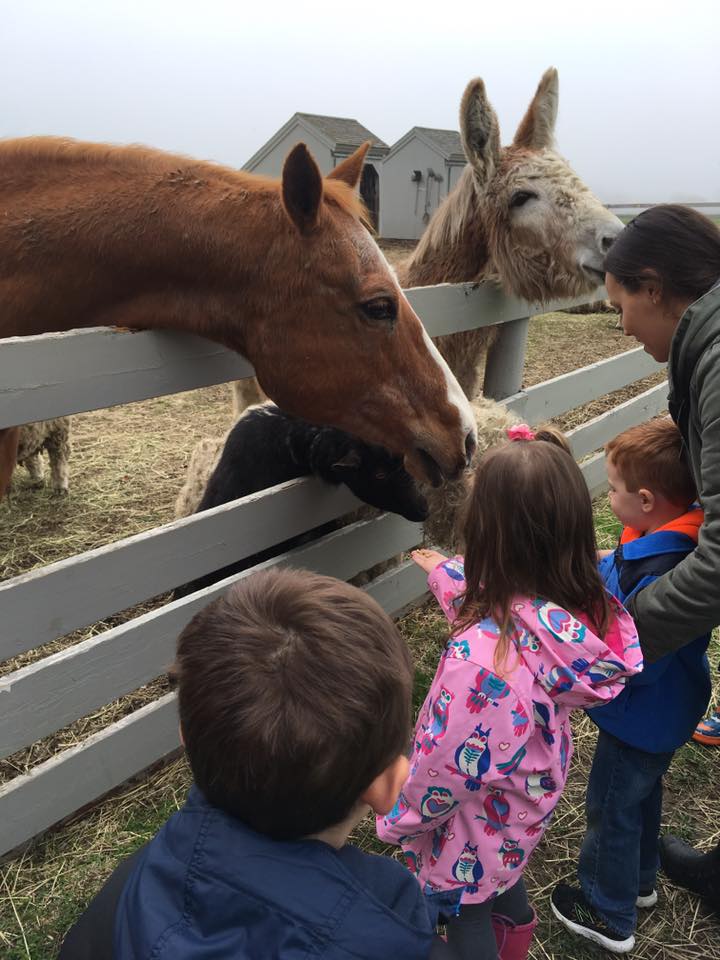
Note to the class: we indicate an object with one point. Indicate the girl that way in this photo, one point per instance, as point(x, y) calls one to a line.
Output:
point(534, 634)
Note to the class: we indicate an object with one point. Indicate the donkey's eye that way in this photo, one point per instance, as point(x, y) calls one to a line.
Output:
point(521, 197)
point(380, 309)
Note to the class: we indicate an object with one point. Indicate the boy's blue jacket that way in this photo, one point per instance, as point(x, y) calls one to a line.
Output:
point(208, 888)
point(660, 707)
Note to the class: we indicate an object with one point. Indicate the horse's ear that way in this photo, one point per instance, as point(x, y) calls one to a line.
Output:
point(537, 127)
point(479, 130)
point(350, 170)
point(302, 188)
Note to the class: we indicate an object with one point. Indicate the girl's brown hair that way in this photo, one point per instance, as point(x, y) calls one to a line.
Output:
point(529, 531)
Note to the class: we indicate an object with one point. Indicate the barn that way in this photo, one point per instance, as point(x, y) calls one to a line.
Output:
point(418, 173)
point(330, 140)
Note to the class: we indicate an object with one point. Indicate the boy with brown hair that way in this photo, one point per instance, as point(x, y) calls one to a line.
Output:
point(294, 693)
point(653, 494)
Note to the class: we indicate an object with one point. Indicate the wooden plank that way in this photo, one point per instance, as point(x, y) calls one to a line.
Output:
point(61, 597)
point(52, 692)
point(64, 373)
point(450, 308)
point(593, 434)
point(400, 588)
point(546, 400)
point(593, 471)
point(55, 789)
point(74, 777)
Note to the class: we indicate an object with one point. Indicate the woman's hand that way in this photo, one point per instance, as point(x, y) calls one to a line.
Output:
point(427, 560)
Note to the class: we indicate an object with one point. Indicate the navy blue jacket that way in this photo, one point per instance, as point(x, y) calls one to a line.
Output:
point(660, 707)
point(209, 888)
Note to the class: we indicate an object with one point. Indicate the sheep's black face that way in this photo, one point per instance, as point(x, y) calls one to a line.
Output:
point(379, 479)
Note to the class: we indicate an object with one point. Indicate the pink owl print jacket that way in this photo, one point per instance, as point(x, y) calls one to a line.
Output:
point(491, 753)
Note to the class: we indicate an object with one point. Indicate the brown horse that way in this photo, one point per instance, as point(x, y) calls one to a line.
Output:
point(519, 215)
point(282, 271)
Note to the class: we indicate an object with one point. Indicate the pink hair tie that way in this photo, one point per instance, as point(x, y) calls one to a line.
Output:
point(520, 431)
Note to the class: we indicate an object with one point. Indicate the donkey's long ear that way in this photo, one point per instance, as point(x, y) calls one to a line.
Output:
point(537, 128)
point(350, 170)
point(479, 130)
point(302, 188)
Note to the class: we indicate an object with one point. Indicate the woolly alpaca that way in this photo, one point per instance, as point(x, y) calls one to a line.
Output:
point(446, 503)
point(443, 503)
point(518, 215)
point(267, 447)
point(52, 436)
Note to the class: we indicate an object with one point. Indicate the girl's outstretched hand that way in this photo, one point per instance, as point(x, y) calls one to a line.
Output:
point(427, 560)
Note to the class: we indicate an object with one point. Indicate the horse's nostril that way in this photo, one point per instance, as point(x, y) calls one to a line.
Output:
point(606, 243)
point(470, 447)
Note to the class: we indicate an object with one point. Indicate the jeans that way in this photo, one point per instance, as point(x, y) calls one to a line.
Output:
point(619, 855)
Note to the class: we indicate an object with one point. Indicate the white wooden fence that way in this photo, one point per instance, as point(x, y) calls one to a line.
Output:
point(58, 374)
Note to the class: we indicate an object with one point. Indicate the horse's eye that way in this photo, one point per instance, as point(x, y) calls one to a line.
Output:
point(380, 309)
point(380, 475)
point(521, 197)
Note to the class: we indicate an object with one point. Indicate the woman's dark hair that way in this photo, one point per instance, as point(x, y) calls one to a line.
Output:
point(295, 694)
point(529, 531)
point(671, 243)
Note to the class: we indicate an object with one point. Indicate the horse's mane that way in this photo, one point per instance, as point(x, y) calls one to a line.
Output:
point(59, 150)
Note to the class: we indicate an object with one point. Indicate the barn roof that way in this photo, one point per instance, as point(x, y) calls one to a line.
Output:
point(342, 130)
point(447, 142)
point(341, 135)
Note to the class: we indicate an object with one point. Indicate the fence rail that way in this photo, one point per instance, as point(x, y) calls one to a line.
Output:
point(59, 374)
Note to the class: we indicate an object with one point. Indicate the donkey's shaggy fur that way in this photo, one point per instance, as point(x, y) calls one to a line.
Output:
point(518, 216)
point(52, 436)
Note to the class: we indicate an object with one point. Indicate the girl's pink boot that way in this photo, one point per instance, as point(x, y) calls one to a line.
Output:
point(513, 940)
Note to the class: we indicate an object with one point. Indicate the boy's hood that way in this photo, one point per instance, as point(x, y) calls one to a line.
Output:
point(688, 524)
point(570, 661)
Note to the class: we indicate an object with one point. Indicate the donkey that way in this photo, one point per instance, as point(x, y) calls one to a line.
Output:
point(518, 215)
point(283, 271)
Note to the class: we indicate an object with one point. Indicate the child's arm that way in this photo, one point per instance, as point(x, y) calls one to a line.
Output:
point(601, 554)
point(472, 728)
point(446, 578)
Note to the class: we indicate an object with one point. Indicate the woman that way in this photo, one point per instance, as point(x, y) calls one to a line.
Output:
point(663, 274)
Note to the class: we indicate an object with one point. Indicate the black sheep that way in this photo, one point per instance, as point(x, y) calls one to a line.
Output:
point(267, 446)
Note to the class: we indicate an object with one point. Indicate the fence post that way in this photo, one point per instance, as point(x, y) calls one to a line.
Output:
point(506, 360)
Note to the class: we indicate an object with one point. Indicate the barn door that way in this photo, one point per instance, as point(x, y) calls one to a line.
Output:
point(369, 191)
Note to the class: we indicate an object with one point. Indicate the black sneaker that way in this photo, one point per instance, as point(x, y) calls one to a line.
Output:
point(646, 898)
point(574, 912)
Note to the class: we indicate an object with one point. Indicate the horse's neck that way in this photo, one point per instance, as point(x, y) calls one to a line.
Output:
point(140, 247)
point(454, 247)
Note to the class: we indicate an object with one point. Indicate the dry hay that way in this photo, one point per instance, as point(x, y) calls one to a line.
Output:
point(127, 467)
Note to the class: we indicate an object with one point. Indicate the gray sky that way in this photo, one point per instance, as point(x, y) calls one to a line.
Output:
point(639, 86)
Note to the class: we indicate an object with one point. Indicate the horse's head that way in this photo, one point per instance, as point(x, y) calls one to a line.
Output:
point(547, 233)
point(342, 344)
